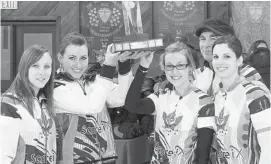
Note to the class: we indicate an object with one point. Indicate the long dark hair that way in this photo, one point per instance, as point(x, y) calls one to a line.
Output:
point(21, 85)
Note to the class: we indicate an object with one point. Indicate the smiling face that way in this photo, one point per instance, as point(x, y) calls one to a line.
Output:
point(206, 41)
point(175, 76)
point(74, 60)
point(225, 62)
point(39, 73)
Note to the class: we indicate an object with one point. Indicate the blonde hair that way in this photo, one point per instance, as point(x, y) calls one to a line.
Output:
point(178, 47)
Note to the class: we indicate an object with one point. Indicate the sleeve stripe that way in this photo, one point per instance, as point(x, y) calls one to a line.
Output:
point(263, 130)
point(57, 84)
point(208, 109)
point(253, 89)
point(197, 91)
point(246, 70)
point(259, 105)
point(246, 84)
point(9, 111)
point(243, 66)
point(261, 120)
point(206, 122)
point(252, 73)
point(204, 96)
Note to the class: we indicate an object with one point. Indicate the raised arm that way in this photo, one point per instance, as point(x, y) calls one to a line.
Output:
point(133, 103)
point(70, 98)
point(117, 95)
point(73, 99)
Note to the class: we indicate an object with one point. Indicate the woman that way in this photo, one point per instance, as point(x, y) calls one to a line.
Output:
point(184, 115)
point(208, 32)
point(83, 123)
point(27, 128)
point(242, 110)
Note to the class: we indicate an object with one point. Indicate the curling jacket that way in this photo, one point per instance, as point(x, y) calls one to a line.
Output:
point(83, 123)
point(25, 138)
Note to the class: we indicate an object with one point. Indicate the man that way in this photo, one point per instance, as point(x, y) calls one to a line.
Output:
point(208, 32)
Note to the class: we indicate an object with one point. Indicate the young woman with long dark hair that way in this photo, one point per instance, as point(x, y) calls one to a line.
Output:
point(27, 128)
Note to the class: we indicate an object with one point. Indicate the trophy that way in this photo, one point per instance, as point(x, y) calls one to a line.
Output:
point(135, 39)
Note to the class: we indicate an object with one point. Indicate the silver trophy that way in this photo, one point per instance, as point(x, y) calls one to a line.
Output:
point(135, 39)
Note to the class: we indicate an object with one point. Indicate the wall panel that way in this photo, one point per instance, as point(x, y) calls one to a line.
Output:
point(68, 11)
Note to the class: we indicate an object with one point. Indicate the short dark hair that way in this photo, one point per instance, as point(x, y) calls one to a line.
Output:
point(233, 43)
point(215, 25)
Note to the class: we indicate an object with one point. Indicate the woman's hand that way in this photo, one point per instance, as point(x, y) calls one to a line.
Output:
point(132, 55)
point(146, 58)
point(125, 56)
point(111, 58)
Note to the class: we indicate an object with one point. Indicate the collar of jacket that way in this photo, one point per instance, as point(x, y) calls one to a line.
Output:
point(64, 76)
point(12, 96)
point(86, 77)
point(206, 64)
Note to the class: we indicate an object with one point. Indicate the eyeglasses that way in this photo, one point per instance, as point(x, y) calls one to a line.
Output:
point(178, 67)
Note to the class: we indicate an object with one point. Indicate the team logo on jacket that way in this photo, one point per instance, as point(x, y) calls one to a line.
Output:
point(171, 121)
point(46, 124)
point(221, 122)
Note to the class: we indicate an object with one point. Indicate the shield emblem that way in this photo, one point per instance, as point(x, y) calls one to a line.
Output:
point(255, 12)
point(104, 14)
point(179, 3)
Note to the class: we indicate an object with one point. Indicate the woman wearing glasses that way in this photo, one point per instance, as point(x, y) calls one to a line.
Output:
point(184, 114)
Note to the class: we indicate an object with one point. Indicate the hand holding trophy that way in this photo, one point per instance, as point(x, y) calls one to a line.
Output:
point(135, 39)
point(111, 57)
point(144, 56)
point(146, 60)
point(133, 55)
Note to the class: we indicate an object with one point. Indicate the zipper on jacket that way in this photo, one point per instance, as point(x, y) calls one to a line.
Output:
point(46, 137)
point(99, 145)
point(82, 87)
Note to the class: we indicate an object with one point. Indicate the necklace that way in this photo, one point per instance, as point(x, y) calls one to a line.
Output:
point(45, 124)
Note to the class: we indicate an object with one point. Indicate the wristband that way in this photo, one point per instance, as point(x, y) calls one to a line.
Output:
point(143, 69)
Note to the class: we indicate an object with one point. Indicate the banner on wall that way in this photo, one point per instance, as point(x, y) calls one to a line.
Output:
point(251, 22)
point(172, 18)
point(101, 23)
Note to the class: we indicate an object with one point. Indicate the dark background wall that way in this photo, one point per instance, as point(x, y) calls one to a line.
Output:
point(70, 13)
point(67, 10)
point(249, 26)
